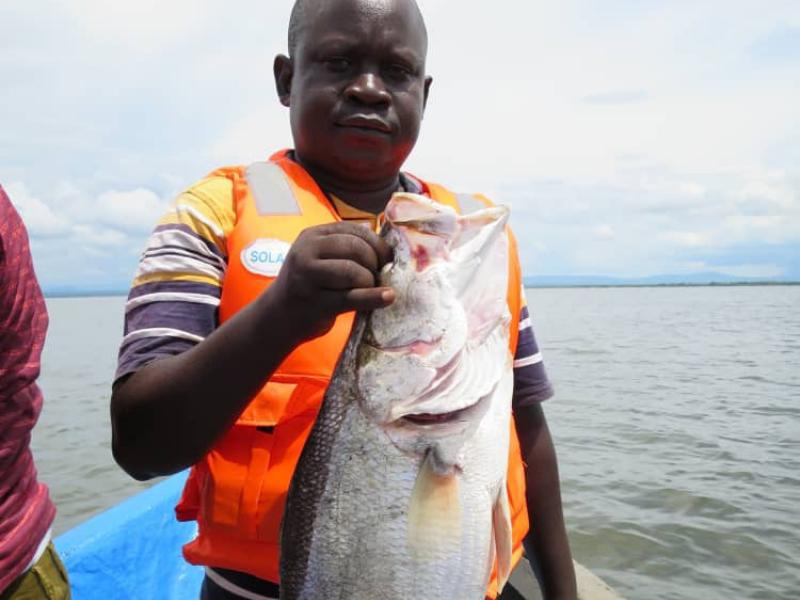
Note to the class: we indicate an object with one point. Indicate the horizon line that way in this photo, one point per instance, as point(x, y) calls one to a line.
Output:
point(528, 283)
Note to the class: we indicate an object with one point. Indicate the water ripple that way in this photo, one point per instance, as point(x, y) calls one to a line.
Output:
point(680, 474)
point(676, 420)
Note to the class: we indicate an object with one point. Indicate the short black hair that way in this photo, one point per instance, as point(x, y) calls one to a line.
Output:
point(298, 19)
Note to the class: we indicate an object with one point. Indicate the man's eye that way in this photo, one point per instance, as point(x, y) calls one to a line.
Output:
point(398, 72)
point(337, 65)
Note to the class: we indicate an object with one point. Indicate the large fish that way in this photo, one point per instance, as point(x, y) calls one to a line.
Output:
point(400, 491)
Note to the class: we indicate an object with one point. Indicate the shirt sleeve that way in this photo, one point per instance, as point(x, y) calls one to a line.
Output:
point(174, 299)
point(23, 317)
point(531, 384)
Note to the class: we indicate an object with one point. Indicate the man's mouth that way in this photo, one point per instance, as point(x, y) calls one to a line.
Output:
point(366, 122)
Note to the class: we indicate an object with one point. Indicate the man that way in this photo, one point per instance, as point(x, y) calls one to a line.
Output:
point(240, 304)
point(29, 565)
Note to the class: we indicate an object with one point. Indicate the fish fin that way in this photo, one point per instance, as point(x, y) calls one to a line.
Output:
point(434, 513)
point(492, 555)
point(501, 526)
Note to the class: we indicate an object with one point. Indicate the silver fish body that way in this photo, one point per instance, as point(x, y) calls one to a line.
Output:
point(400, 489)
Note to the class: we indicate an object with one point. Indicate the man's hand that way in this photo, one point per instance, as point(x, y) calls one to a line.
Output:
point(329, 270)
point(167, 415)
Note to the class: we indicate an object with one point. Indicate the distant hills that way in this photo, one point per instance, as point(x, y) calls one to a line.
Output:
point(682, 279)
point(74, 291)
point(69, 291)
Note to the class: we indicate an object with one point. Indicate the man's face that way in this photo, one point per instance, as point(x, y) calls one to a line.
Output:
point(358, 88)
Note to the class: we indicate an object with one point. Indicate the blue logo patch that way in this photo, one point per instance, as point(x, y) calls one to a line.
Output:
point(265, 256)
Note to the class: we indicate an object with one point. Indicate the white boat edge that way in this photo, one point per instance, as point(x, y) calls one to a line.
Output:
point(591, 587)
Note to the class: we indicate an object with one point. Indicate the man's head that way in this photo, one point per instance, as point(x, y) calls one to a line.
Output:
point(356, 87)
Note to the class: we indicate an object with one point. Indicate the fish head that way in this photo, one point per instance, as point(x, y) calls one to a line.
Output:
point(429, 363)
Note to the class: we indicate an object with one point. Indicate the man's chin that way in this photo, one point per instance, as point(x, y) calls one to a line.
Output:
point(358, 167)
point(367, 166)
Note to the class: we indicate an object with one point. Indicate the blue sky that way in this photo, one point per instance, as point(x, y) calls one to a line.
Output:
point(630, 138)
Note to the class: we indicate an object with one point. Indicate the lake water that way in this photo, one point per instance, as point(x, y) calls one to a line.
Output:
point(676, 421)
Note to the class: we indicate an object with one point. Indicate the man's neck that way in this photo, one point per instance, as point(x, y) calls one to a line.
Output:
point(372, 201)
point(371, 197)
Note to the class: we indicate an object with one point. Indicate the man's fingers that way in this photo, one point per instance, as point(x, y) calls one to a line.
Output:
point(365, 299)
point(334, 268)
point(352, 247)
point(339, 274)
point(382, 250)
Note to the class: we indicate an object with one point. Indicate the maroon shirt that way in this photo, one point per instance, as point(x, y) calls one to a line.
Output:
point(26, 512)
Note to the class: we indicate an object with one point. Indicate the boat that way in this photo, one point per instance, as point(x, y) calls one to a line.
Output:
point(133, 551)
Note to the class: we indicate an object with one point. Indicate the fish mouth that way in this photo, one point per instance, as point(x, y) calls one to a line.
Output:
point(439, 419)
point(417, 347)
point(445, 375)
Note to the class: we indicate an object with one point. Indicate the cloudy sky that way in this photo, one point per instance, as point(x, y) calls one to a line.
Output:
point(630, 137)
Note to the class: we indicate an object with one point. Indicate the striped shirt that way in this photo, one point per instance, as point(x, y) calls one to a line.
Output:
point(174, 300)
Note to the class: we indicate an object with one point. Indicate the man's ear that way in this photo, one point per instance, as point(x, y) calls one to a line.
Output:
point(283, 70)
point(427, 89)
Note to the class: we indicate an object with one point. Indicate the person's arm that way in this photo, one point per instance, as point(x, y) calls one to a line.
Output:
point(167, 416)
point(546, 543)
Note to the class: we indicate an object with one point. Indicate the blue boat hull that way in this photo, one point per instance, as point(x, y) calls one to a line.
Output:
point(133, 550)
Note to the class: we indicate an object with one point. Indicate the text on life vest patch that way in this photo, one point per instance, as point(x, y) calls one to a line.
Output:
point(265, 256)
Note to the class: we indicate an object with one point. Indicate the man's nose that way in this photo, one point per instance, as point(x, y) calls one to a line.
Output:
point(368, 88)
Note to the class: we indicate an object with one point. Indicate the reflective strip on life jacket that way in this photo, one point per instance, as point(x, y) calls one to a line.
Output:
point(271, 190)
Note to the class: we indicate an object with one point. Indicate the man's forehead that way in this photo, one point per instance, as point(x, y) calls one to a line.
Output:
point(324, 15)
point(376, 8)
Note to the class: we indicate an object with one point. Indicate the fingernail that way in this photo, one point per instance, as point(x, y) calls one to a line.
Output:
point(387, 296)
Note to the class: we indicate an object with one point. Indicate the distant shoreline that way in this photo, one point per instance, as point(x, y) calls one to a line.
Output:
point(528, 284)
point(84, 293)
point(661, 285)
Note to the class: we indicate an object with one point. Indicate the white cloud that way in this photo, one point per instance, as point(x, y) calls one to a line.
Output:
point(141, 26)
point(69, 208)
point(770, 228)
point(604, 232)
point(521, 98)
point(627, 136)
point(90, 235)
point(658, 221)
point(689, 239)
point(39, 219)
point(246, 139)
point(136, 210)
point(77, 233)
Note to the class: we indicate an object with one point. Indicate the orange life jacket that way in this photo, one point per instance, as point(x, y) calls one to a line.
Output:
point(238, 491)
